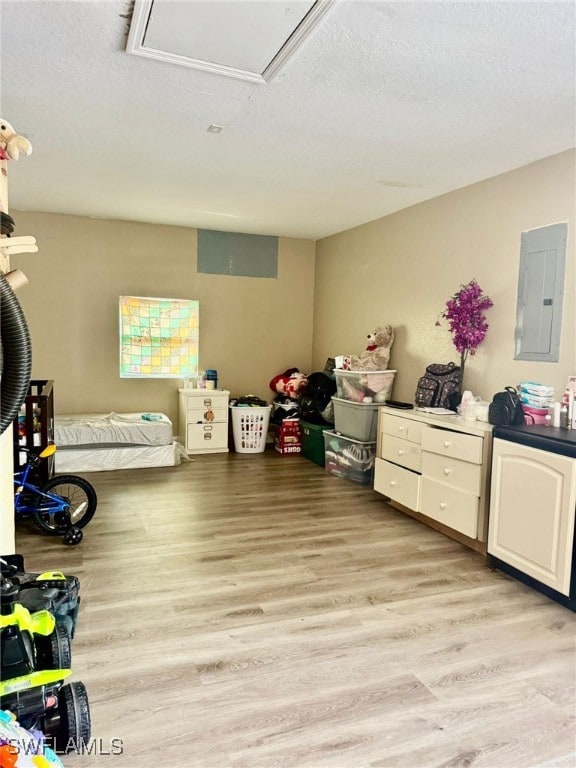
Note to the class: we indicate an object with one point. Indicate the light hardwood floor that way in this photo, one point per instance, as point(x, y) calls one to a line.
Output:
point(253, 611)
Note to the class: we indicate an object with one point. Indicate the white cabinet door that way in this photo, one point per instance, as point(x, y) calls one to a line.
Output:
point(532, 512)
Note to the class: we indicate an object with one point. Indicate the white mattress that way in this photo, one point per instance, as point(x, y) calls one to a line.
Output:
point(101, 459)
point(88, 429)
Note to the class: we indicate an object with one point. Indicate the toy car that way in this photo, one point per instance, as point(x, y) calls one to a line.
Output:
point(52, 591)
point(34, 650)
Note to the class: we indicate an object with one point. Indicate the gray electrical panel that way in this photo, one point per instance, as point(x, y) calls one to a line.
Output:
point(540, 293)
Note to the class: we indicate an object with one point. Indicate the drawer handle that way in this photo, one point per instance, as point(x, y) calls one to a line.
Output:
point(447, 470)
point(400, 452)
point(447, 443)
point(393, 483)
point(443, 505)
point(401, 429)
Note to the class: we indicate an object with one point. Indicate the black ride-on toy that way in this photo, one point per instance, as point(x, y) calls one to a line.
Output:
point(52, 591)
point(34, 662)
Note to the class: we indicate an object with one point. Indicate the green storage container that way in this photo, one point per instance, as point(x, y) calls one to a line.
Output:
point(313, 442)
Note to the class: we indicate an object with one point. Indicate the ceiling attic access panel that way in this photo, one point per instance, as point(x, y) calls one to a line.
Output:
point(245, 39)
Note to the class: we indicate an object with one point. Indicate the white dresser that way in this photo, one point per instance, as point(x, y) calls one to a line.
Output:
point(203, 420)
point(438, 467)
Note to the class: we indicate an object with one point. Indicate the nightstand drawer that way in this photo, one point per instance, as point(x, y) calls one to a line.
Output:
point(404, 428)
point(397, 483)
point(401, 452)
point(206, 400)
point(454, 444)
point(206, 415)
point(458, 474)
point(454, 508)
point(206, 436)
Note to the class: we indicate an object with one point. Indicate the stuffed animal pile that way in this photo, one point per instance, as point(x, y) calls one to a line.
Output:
point(290, 383)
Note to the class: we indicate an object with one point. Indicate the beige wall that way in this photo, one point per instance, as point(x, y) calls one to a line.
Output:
point(250, 328)
point(401, 269)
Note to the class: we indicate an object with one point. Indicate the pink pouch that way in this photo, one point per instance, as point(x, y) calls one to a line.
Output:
point(534, 415)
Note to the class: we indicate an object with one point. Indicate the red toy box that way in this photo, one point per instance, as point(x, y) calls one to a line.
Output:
point(287, 439)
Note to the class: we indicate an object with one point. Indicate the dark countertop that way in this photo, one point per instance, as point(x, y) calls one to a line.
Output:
point(554, 439)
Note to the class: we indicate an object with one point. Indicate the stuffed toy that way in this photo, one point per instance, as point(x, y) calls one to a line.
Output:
point(11, 144)
point(377, 353)
point(289, 383)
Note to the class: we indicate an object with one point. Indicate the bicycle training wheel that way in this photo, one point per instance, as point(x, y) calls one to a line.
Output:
point(80, 497)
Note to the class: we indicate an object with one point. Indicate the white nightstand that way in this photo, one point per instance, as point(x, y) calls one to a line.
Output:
point(203, 420)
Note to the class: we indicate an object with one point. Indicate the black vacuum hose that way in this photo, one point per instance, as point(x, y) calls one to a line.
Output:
point(16, 355)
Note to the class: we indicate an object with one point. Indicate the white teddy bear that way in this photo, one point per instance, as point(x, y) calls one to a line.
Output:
point(11, 144)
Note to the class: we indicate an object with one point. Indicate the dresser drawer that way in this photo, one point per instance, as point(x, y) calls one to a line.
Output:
point(452, 507)
point(404, 428)
point(206, 415)
point(401, 452)
point(397, 483)
point(454, 444)
point(206, 437)
point(458, 474)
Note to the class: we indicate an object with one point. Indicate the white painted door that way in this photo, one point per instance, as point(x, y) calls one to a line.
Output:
point(532, 512)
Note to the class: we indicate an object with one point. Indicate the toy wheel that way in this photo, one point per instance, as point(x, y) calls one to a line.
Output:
point(80, 497)
point(73, 536)
point(54, 651)
point(74, 712)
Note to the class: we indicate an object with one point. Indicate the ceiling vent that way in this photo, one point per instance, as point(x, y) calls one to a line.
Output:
point(244, 39)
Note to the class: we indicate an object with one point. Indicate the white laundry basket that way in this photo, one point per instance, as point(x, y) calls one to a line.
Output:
point(250, 427)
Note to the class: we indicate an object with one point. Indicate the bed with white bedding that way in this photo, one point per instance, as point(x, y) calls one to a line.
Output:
point(92, 442)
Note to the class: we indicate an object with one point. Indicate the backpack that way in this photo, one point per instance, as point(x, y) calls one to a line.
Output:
point(505, 410)
point(440, 386)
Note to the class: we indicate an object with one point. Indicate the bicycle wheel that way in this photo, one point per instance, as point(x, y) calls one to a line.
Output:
point(81, 498)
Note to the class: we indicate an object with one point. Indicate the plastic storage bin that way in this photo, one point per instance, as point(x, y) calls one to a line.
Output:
point(313, 441)
point(348, 458)
point(364, 386)
point(357, 420)
point(250, 427)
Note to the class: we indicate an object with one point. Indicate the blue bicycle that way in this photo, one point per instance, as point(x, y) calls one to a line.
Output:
point(61, 507)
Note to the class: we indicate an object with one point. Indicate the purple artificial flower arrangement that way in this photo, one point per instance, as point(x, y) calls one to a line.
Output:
point(465, 315)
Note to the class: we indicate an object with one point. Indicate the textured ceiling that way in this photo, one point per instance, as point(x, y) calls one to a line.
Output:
point(385, 105)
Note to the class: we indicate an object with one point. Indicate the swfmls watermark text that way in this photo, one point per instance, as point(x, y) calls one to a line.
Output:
point(93, 746)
